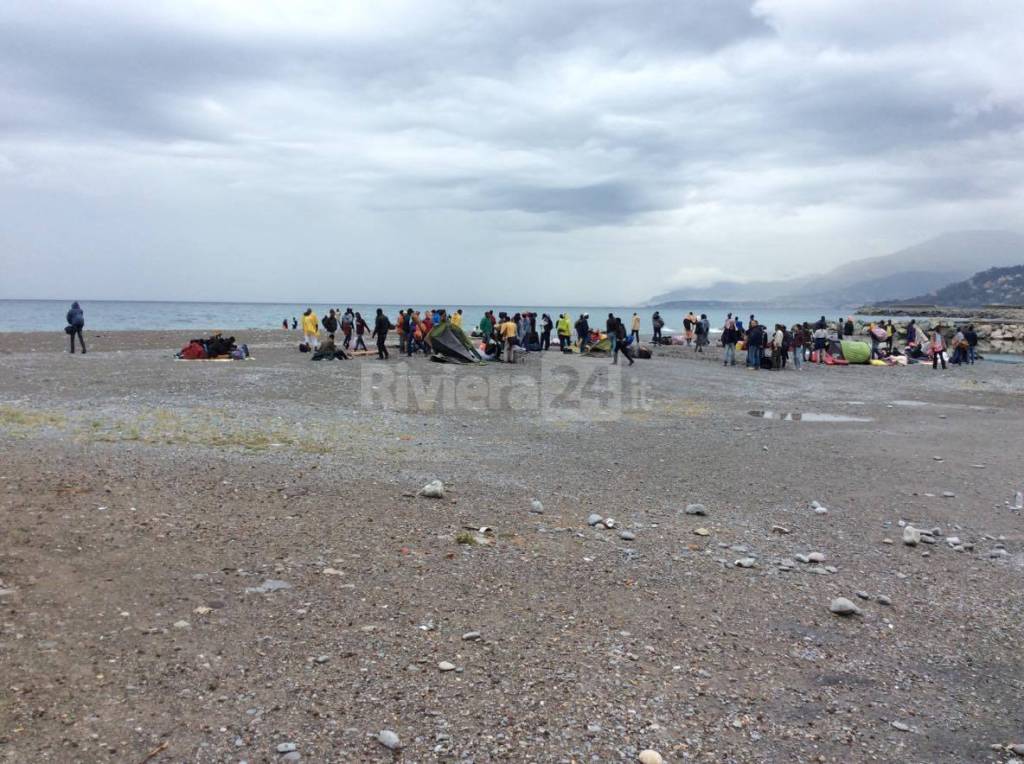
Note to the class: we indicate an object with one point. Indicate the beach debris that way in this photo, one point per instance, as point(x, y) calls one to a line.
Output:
point(843, 606)
point(536, 507)
point(650, 756)
point(911, 536)
point(389, 740)
point(433, 490)
point(594, 519)
point(268, 586)
point(696, 509)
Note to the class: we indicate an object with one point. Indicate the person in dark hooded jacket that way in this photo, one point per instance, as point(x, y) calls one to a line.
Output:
point(76, 322)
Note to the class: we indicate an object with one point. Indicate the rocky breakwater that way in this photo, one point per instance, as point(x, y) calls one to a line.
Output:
point(995, 334)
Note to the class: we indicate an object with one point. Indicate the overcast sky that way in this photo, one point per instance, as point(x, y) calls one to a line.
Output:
point(534, 151)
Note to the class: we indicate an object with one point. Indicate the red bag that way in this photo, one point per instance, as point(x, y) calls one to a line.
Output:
point(192, 351)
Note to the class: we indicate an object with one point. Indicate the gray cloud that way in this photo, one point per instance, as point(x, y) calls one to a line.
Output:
point(702, 136)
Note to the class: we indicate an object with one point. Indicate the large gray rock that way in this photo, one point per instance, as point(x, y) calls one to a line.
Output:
point(843, 606)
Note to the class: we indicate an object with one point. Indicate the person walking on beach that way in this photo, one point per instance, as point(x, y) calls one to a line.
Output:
point(284, 324)
point(688, 320)
point(311, 329)
point(381, 326)
point(610, 327)
point(729, 338)
point(702, 328)
point(635, 328)
point(361, 327)
point(657, 323)
point(76, 323)
point(820, 338)
point(620, 344)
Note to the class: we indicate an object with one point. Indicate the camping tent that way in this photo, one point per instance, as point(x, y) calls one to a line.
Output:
point(449, 344)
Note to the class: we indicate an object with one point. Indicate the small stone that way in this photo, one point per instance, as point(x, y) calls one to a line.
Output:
point(650, 756)
point(593, 729)
point(843, 606)
point(887, 541)
point(702, 532)
point(609, 522)
point(911, 536)
point(787, 563)
point(389, 740)
point(745, 562)
point(627, 535)
point(816, 557)
point(471, 636)
point(322, 659)
point(863, 595)
point(182, 625)
point(820, 511)
point(536, 507)
point(292, 756)
point(997, 553)
point(269, 585)
point(953, 540)
point(780, 529)
point(286, 747)
point(696, 509)
point(948, 495)
point(433, 490)
point(900, 726)
point(331, 572)
point(883, 600)
point(446, 666)
point(1017, 749)
point(594, 519)
point(927, 538)
point(802, 558)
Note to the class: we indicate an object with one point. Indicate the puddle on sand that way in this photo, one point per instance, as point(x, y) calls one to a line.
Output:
point(807, 416)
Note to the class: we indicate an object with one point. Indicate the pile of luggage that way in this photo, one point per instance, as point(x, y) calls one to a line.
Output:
point(216, 347)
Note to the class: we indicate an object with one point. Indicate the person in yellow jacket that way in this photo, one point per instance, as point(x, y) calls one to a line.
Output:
point(311, 329)
point(634, 329)
point(564, 329)
point(457, 318)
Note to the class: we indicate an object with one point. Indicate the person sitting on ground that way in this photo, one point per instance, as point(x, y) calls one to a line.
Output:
point(329, 351)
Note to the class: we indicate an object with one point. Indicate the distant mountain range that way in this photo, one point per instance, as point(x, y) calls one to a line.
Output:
point(996, 286)
point(923, 268)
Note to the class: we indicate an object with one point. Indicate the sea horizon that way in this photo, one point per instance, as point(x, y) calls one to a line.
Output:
point(25, 315)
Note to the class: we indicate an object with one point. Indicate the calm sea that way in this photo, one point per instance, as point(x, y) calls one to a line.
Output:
point(48, 315)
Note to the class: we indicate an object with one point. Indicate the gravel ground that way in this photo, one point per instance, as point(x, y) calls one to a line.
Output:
point(146, 503)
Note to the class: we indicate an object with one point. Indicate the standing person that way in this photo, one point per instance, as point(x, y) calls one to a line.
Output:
point(564, 332)
point(381, 326)
point(346, 329)
point(487, 326)
point(610, 331)
point(890, 335)
point(938, 348)
point(702, 329)
point(688, 320)
point(656, 324)
point(972, 344)
point(729, 337)
point(330, 323)
point(755, 345)
point(545, 333)
point(295, 323)
point(635, 328)
point(778, 340)
point(959, 348)
point(311, 329)
point(583, 331)
point(76, 323)
point(820, 338)
point(821, 324)
point(620, 344)
point(799, 339)
point(912, 333)
point(873, 332)
point(349, 316)
point(360, 328)
point(409, 325)
point(509, 332)
point(284, 324)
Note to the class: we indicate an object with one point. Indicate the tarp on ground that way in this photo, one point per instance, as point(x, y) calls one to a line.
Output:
point(856, 352)
point(601, 347)
point(449, 344)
